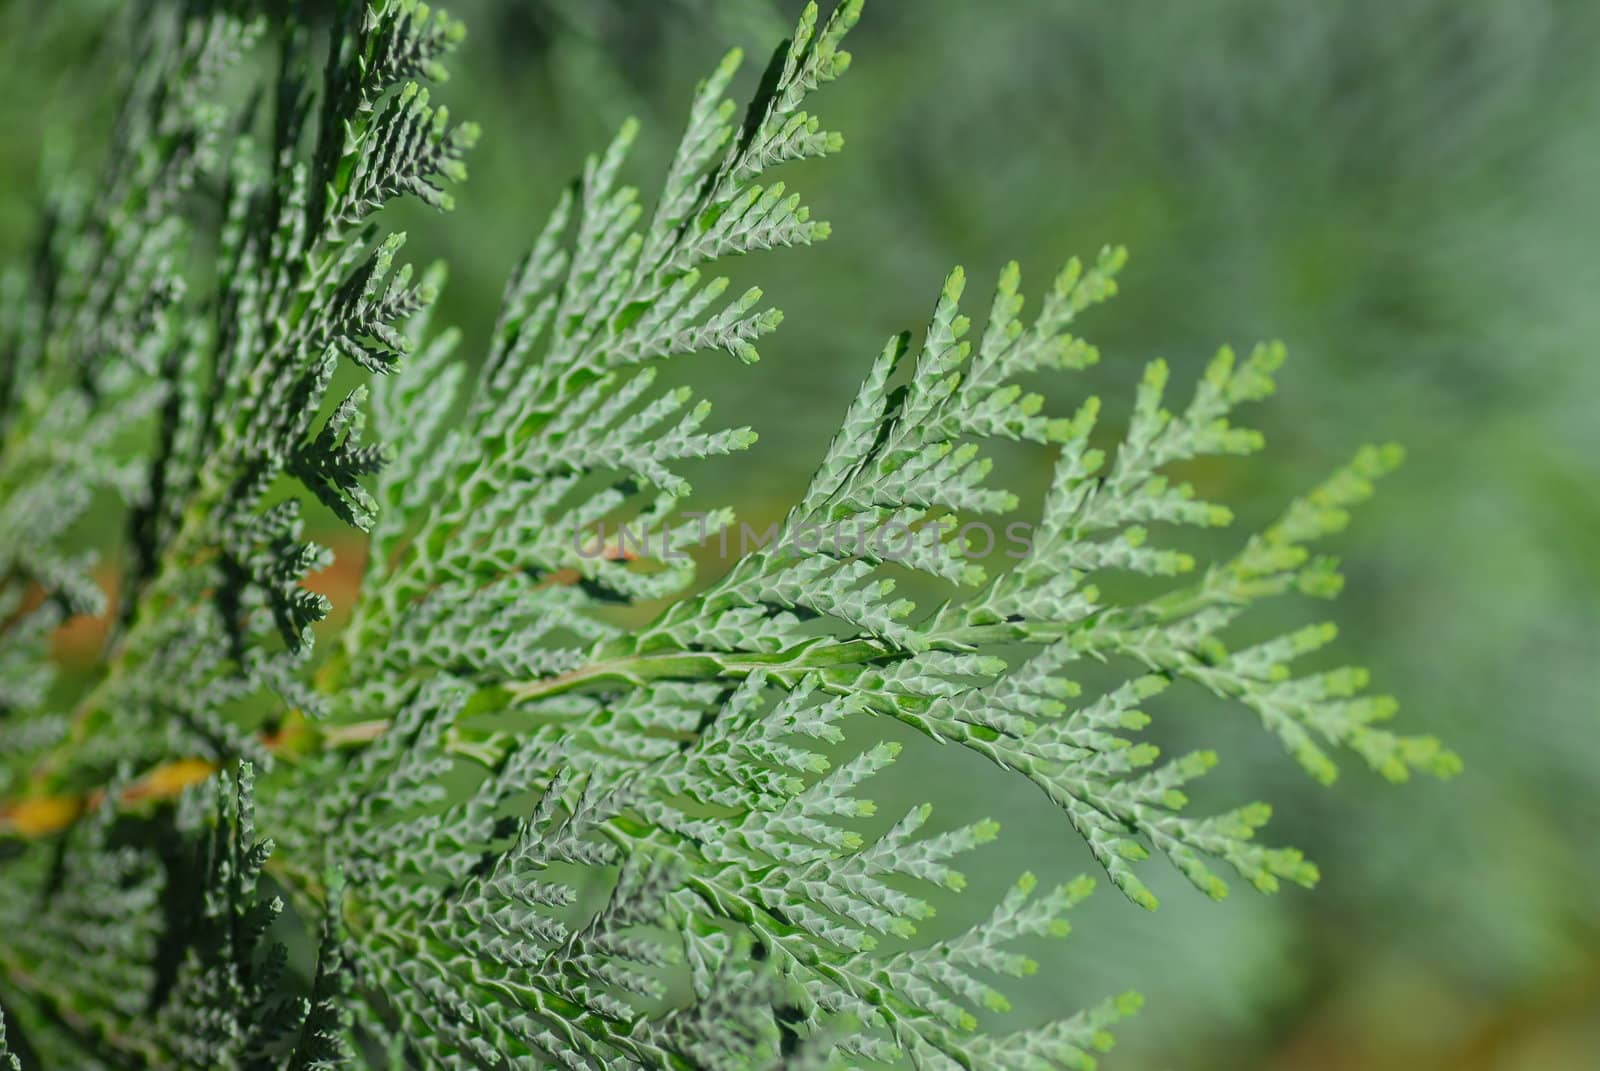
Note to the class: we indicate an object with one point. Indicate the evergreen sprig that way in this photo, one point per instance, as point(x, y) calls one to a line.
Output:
point(529, 837)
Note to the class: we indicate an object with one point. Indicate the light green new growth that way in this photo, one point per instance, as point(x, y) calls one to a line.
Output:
point(527, 837)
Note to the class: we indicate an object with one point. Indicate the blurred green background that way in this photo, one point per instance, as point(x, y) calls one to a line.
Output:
point(1407, 192)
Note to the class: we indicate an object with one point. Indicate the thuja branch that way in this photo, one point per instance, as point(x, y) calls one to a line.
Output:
point(528, 837)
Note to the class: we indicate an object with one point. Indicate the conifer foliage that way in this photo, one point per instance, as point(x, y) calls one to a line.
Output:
point(512, 833)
